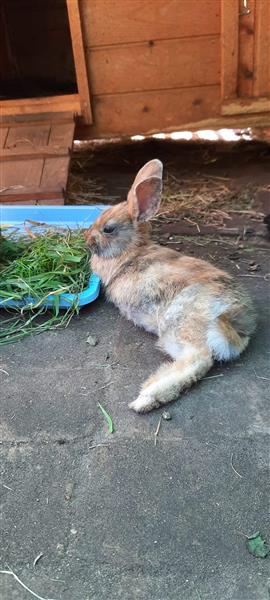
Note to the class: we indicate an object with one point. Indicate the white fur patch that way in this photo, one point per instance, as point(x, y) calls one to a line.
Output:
point(171, 345)
point(219, 345)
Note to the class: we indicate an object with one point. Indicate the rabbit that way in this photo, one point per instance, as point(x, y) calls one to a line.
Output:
point(198, 313)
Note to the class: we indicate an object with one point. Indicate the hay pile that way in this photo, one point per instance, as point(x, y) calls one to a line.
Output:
point(205, 200)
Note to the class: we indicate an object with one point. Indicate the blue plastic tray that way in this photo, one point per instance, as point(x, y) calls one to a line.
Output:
point(64, 216)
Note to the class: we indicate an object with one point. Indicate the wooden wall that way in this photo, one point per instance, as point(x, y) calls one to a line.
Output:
point(152, 64)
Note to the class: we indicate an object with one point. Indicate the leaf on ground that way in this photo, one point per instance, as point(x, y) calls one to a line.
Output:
point(107, 417)
point(257, 546)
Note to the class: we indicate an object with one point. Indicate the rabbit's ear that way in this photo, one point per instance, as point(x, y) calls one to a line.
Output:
point(145, 195)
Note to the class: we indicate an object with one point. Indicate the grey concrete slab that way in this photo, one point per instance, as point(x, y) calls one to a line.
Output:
point(114, 515)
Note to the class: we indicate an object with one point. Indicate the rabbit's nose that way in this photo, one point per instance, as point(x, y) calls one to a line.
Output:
point(92, 239)
point(89, 236)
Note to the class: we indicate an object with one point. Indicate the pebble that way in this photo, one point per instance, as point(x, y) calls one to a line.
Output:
point(166, 415)
point(92, 340)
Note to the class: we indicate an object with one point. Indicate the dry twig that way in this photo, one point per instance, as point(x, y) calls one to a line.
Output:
point(10, 572)
point(157, 431)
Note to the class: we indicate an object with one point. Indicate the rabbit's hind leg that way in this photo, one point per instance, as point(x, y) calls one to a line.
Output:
point(191, 363)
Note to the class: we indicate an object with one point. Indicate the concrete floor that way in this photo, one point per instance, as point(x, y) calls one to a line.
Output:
point(115, 516)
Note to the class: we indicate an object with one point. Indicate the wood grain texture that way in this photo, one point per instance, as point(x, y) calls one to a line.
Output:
point(34, 197)
point(61, 134)
point(246, 50)
point(259, 120)
point(246, 106)
point(23, 173)
point(27, 137)
point(141, 112)
point(121, 21)
point(3, 136)
point(73, 8)
point(34, 161)
point(22, 152)
point(49, 104)
point(229, 48)
point(55, 172)
point(261, 79)
point(160, 65)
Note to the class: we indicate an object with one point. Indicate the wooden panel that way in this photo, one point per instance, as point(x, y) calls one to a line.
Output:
point(246, 50)
point(22, 152)
point(229, 48)
point(35, 161)
point(246, 106)
point(30, 106)
point(27, 137)
point(38, 119)
point(79, 58)
point(142, 112)
point(261, 81)
point(51, 198)
point(61, 134)
point(55, 173)
point(159, 65)
point(3, 136)
point(22, 174)
point(121, 21)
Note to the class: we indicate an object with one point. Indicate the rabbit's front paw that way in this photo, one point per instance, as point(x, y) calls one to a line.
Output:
point(144, 403)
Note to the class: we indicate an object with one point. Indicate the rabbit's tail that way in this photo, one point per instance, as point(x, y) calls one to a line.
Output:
point(171, 379)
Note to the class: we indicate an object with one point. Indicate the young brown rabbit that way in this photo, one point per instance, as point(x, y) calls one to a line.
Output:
point(195, 309)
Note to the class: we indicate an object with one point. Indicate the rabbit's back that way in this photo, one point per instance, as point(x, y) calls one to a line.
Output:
point(163, 291)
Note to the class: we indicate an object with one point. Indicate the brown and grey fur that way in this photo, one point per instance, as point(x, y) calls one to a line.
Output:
point(195, 309)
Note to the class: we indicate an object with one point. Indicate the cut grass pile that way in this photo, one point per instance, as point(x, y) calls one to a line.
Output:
point(35, 267)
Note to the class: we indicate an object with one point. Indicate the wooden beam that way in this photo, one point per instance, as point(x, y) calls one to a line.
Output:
point(79, 59)
point(48, 104)
point(246, 106)
point(33, 152)
point(246, 50)
point(34, 197)
point(229, 48)
point(261, 85)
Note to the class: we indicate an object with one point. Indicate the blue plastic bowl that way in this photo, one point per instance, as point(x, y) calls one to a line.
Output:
point(63, 216)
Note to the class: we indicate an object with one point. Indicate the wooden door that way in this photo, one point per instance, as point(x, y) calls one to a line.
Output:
point(245, 73)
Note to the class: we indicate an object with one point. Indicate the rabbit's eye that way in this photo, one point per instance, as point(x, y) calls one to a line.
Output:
point(109, 228)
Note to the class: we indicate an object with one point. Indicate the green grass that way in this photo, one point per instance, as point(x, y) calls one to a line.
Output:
point(49, 263)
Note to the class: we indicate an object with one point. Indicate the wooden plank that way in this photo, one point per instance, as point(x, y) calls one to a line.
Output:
point(159, 65)
point(55, 173)
point(114, 22)
point(34, 162)
point(140, 112)
point(27, 137)
point(49, 104)
point(38, 119)
point(30, 189)
point(261, 79)
point(79, 58)
point(3, 136)
point(21, 174)
point(27, 197)
point(229, 48)
point(246, 106)
point(259, 120)
point(62, 134)
point(32, 152)
point(246, 49)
